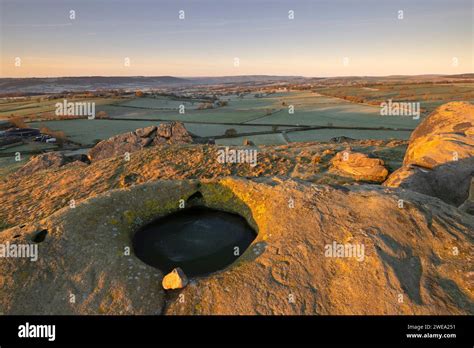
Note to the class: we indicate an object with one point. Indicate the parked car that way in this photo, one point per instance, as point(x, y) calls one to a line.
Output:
point(43, 137)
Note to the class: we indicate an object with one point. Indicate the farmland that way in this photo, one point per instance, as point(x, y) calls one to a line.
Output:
point(429, 95)
point(269, 115)
point(230, 115)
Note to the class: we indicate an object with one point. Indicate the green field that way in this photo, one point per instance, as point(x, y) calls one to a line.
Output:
point(246, 115)
point(249, 114)
point(159, 103)
point(327, 134)
point(87, 132)
point(263, 139)
point(429, 95)
point(36, 106)
point(312, 109)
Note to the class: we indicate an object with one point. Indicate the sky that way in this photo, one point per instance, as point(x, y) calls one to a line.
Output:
point(38, 38)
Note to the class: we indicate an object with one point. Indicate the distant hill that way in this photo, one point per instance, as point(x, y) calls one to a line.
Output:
point(245, 79)
point(462, 76)
point(92, 83)
point(60, 84)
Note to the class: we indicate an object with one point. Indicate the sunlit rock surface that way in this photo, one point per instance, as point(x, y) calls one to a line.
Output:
point(359, 166)
point(440, 157)
point(176, 279)
point(416, 258)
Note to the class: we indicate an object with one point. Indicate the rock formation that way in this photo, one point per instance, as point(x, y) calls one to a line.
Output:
point(359, 166)
point(440, 157)
point(42, 162)
point(409, 260)
point(306, 161)
point(165, 133)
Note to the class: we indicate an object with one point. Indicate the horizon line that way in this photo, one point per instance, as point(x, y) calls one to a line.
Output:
point(227, 76)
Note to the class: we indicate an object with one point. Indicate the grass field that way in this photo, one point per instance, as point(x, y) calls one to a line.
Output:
point(327, 134)
point(250, 114)
point(429, 95)
point(159, 103)
point(36, 107)
point(87, 132)
point(263, 139)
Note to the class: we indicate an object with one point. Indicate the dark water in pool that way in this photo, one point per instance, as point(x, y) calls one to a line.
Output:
point(199, 240)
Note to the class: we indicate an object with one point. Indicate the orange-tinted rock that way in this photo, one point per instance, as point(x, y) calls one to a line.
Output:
point(359, 166)
point(440, 157)
point(42, 162)
point(286, 271)
point(176, 279)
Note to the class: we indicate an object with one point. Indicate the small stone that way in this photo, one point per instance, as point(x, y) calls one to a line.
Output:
point(176, 279)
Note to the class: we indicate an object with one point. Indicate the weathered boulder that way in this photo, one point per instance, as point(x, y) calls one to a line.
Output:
point(42, 162)
point(165, 133)
point(446, 135)
point(176, 279)
point(440, 156)
point(359, 166)
point(165, 130)
point(419, 252)
point(116, 146)
point(174, 133)
point(145, 132)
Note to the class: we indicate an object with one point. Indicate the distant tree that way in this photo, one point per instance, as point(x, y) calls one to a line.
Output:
point(231, 132)
point(18, 122)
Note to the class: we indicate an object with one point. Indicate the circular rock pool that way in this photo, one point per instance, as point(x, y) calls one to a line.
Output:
point(199, 240)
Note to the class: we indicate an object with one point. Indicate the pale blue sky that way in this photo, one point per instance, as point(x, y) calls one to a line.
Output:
point(214, 32)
